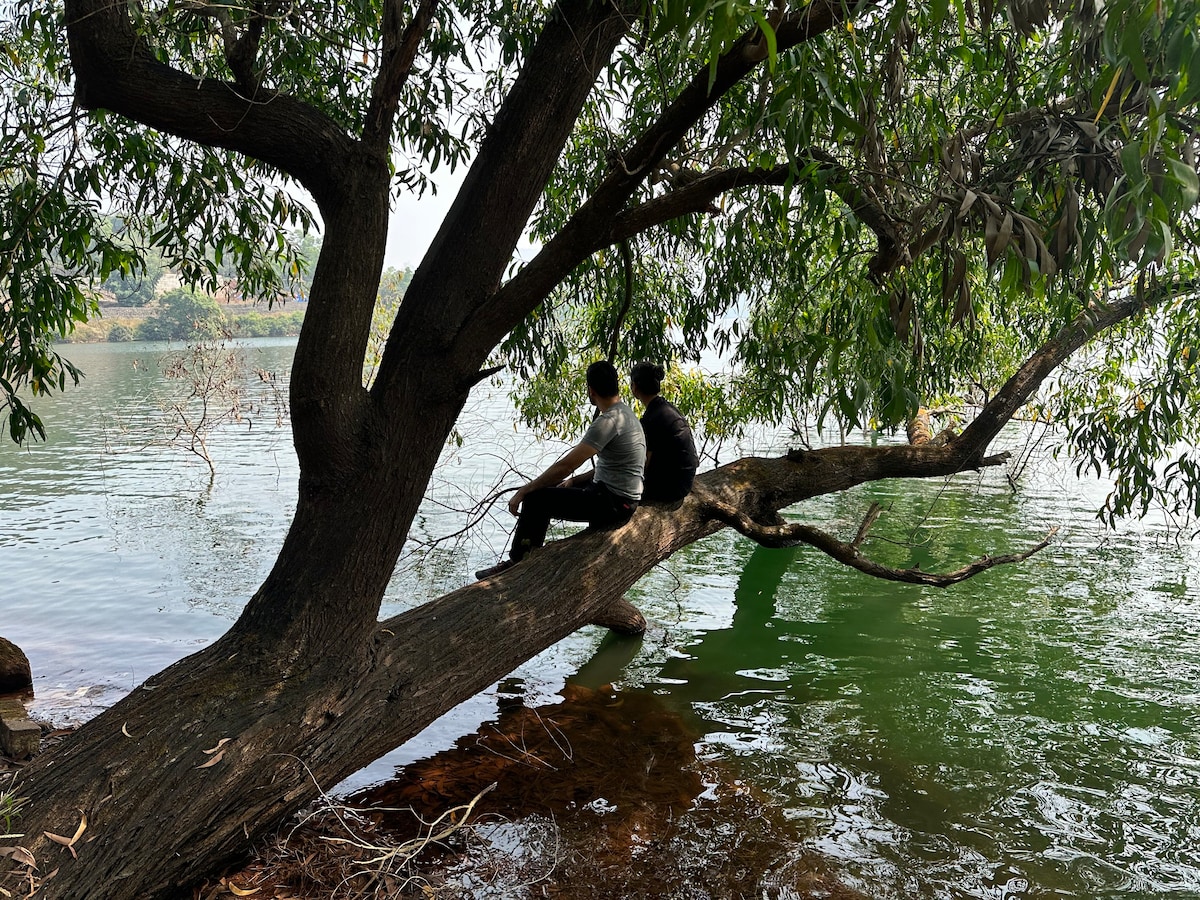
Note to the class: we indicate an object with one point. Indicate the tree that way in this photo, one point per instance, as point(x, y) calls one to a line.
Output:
point(865, 206)
point(56, 177)
point(134, 284)
point(182, 315)
point(130, 291)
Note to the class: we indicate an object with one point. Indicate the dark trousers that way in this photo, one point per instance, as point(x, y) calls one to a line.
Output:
point(668, 486)
point(593, 503)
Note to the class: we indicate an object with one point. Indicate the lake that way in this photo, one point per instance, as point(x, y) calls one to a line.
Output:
point(1030, 733)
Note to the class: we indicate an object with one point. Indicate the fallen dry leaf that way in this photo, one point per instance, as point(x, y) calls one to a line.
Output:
point(212, 762)
point(82, 827)
point(59, 839)
point(20, 854)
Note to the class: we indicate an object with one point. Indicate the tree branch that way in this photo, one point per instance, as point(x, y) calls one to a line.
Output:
point(694, 197)
point(791, 534)
point(586, 229)
point(475, 242)
point(698, 194)
point(240, 51)
point(1037, 368)
point(398, 51)
point(116, 70)
point(579, 581)
point(626, 303)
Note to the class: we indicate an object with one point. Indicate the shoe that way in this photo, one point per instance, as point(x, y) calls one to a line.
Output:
point(499, 567)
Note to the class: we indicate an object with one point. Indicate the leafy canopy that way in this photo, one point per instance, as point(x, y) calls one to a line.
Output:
point(951, 184)
point(897, 211)
point(63, 173)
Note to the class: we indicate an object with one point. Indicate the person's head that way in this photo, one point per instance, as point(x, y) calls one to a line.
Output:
point(646, 378)
point(602, 381)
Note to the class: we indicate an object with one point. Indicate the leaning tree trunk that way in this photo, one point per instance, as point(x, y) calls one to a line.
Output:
point(175, 780)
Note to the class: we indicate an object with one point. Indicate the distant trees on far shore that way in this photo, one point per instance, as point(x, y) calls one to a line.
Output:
point(182, 314)
point(185, 315)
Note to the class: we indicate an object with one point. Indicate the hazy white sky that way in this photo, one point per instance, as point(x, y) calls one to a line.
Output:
point(414, 222)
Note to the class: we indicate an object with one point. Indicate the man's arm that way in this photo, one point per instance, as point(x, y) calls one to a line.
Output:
point(581, 479)
point(570, 461)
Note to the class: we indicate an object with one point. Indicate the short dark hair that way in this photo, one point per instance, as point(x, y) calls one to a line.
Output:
point(602, 378)
point(647, 377)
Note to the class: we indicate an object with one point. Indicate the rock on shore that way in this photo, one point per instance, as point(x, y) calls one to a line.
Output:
point(15, 674)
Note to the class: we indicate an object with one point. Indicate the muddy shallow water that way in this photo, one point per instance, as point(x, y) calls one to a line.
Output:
point(599, 795)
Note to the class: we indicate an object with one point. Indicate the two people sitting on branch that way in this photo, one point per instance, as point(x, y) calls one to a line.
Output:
point(604, 497)
point(654, 459)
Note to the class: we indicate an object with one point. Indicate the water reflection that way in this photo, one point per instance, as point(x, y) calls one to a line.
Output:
point(997, 741)
point(600, 795)
point(118, 556)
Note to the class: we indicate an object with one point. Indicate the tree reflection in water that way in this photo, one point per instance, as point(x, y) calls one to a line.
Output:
point(602, 795)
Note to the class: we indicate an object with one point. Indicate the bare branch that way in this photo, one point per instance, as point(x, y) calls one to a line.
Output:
point(482, 375)
point(791, 534)
point(869, 519)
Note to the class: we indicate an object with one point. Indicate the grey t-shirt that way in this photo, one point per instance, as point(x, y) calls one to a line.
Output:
point(620, 450)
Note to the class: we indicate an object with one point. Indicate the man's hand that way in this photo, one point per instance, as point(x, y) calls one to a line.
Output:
point(570, 461)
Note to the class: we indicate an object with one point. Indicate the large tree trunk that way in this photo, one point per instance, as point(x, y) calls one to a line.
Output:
point(177, 779)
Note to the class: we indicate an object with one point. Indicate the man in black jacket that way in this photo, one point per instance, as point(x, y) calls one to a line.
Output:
point(671, 458)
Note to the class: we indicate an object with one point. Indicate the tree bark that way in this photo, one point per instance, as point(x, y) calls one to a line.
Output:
point(248, 728)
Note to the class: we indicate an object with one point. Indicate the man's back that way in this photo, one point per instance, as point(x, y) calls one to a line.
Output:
point(620, 450)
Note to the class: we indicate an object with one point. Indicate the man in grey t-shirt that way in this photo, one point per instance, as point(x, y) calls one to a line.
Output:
point(605, 497)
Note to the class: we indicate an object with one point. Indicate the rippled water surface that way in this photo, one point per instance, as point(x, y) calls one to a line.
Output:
point(1029, 733)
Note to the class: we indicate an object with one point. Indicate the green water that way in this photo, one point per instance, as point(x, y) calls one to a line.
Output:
point(1030, 733)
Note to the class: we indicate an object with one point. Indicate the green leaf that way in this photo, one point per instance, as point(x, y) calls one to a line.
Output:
point(1189, 184)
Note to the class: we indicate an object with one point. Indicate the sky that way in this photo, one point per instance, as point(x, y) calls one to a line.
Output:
point(414, 221)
